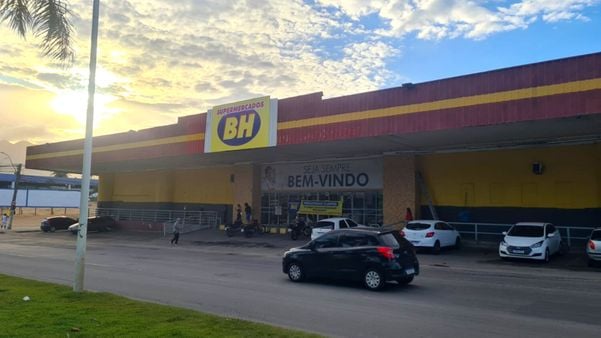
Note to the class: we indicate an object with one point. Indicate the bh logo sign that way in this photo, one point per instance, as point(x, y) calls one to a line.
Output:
point(239, 128)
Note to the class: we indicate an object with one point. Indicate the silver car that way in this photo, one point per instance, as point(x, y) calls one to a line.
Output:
point(593, 247)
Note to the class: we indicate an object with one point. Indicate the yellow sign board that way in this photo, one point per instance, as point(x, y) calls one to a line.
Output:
point(330, 208)
point(242, 125)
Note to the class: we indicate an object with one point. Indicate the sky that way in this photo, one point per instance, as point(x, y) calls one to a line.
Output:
point(161, 59)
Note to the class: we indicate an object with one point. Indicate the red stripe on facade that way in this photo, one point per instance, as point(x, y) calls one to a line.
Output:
point(534, 75)
point(556, 106)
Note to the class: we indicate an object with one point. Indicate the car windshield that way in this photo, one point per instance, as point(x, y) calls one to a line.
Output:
point(389, 240)
point(596, 235)
point(526, 231)
point(418, 226)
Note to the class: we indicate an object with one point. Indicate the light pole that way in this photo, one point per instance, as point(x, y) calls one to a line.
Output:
point(13, 201)
point(80, 251)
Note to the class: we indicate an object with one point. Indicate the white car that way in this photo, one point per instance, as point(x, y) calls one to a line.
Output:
point(593, 247)
point(328, 224)
point(531, 240)
point(431, 234)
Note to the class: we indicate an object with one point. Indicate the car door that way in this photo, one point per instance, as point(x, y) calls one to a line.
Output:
point(320, 261)
point(348, 259)
point(442, 233)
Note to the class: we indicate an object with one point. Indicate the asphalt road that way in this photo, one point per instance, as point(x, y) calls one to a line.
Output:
point(456, 295)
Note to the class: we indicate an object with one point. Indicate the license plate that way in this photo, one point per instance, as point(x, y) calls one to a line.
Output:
point(410, 271)
point(518, 251)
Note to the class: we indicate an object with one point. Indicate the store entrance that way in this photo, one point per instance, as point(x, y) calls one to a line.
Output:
point(364, 207)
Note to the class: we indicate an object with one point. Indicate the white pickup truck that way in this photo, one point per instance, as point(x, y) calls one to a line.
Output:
point(326, 225)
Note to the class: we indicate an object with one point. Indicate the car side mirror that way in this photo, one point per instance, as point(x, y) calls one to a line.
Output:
point(504, 233)
point(551, 235)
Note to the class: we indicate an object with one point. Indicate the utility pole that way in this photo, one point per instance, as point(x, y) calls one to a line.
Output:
point(80, 251)
point(13, 202)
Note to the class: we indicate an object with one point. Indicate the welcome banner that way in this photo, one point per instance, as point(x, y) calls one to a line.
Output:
point(330, 208)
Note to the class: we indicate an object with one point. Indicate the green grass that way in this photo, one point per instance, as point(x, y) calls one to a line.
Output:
point(56, 311)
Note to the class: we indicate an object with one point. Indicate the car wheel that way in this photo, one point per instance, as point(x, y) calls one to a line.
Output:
point(295, 272)
point(547, 256)
point(73, 232)
point(436, 248)
point(229, 233)
point(52, 229)
point(373, 279)
point(458, 243)
point(405, 280)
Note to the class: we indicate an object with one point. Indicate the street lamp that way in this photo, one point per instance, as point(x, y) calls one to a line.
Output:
point(80, 249)
point(13, 202)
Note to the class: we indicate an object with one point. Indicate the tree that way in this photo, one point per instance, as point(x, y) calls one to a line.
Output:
point(46, 19)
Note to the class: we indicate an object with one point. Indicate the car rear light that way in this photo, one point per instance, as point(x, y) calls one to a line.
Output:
point(386, 252)
point(430, 234)
point(591, 245)
point(402, 233)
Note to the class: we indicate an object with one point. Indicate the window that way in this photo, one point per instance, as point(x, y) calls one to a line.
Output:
point(596, 235)
point(326, 241)
point(389, 240)
point(551, 229)
point(342, 224)
point(439, 226)
point(351, 223)
point(355, 240)
point(526, 231)
point(418, 226)
point(446, 226)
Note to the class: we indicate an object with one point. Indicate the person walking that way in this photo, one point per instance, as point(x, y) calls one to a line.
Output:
point(248, 212)
point(175, 238)
point(4, 221)
point(408, 215)
point(238, 214)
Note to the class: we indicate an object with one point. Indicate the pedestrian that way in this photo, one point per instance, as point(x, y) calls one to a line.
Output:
point(4, 221)
point(238, 214)
point(408, 215)
point(175, 238)
point(248, 212)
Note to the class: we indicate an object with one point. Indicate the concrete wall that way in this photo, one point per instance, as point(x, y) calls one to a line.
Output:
point(400, 188)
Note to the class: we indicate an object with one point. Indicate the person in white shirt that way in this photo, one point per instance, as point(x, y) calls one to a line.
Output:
point(176, 229)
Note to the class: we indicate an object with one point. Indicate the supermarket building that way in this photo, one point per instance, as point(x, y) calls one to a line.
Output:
point(514, 144)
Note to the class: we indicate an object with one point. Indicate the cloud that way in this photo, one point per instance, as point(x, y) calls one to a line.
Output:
point(160, 59)
point(441, 19)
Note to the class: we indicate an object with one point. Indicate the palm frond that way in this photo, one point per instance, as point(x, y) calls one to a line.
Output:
point(51, 23)
point(18, 15)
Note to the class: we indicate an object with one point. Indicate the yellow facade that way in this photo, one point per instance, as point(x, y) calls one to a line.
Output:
point(504, 178)
point(207, 185)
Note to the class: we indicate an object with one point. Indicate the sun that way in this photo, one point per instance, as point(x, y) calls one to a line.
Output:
point(75, 104)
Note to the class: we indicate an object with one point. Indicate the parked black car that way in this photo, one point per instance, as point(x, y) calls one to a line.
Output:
point(99, 224)
point(56, 223)
point(373, 256)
